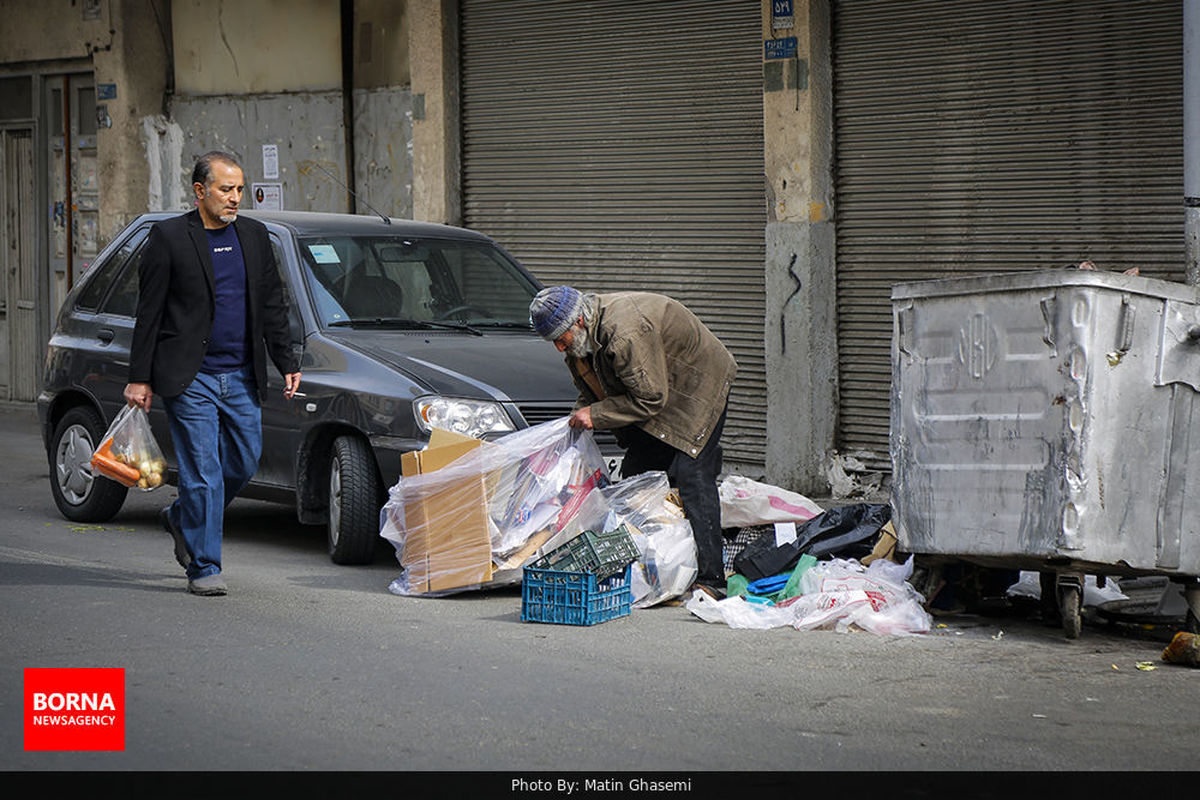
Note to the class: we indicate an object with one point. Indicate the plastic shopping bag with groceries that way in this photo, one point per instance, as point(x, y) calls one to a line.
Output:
point(128, 452)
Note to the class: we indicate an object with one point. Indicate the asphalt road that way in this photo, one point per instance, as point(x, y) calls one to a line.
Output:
point(310, 666)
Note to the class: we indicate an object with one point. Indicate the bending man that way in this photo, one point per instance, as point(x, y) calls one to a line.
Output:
point(648, 368)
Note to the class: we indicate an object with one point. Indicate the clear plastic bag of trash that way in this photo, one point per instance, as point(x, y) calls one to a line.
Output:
point(645, 505)
point(663, 535)
point(469, 513)
point(835, 595)
point(842, 592)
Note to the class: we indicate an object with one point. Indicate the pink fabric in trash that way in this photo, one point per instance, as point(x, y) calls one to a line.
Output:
point(802, 514)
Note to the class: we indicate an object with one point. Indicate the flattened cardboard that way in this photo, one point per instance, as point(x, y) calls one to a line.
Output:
point(447, 544)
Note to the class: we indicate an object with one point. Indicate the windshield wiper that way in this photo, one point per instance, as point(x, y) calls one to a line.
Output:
point(456, 326)
point(524, 326)
point(403, 323)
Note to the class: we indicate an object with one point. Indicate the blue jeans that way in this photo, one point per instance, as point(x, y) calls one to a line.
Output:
point(216, 425)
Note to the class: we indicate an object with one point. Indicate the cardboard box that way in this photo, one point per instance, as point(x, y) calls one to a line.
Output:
point(446, 545)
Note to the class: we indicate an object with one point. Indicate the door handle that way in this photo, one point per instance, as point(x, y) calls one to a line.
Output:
point(105, 335)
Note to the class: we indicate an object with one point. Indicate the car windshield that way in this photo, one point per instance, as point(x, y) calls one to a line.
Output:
point(406, 282)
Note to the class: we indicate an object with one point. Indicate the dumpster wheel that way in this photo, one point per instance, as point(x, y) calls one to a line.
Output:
point(1070, 604)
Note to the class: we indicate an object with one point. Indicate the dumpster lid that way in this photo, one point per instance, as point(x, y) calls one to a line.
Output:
point(1045, 279)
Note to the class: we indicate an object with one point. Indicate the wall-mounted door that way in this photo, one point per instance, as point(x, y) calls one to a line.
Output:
point(19, 346)
point(74, 231)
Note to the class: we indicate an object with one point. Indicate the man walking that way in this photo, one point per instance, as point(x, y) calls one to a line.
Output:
point(210, 309)
point(648, 368)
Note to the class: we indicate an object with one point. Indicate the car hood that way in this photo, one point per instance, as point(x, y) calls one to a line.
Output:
point(517, 367)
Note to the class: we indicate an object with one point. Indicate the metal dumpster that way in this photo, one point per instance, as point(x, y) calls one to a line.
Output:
point(1044, 421)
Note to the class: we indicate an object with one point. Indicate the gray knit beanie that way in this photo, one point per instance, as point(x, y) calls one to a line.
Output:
point(552, 311)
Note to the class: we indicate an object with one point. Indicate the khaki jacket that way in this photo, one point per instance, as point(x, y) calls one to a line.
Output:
point(659, 368)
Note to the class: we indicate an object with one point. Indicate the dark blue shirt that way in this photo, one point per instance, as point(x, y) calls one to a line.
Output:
point(229, 340)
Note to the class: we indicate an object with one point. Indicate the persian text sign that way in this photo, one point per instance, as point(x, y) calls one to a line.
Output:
point(74, 709)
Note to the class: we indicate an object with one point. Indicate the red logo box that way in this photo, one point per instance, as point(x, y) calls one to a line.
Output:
point(74, 709)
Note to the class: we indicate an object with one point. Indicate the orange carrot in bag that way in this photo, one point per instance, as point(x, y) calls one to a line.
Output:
point(108, 466)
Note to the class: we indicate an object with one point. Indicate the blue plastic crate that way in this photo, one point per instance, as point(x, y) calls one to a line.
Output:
point(573, 598)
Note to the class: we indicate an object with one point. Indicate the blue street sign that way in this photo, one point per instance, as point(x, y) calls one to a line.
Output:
point(779, 48)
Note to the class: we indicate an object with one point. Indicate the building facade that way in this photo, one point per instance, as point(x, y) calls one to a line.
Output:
point(775, 164)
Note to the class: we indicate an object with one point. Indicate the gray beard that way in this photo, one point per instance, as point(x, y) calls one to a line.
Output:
point(581, 344)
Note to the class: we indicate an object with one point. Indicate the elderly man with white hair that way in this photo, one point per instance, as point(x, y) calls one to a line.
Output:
point(647, 368)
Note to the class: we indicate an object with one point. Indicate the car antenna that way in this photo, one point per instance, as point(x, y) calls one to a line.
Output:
point(386, 220)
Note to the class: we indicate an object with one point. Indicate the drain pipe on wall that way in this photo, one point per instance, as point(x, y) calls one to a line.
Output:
point(348, 100)
point(1191, 137)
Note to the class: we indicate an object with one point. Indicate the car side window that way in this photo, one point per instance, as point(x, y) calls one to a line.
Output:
point(122, 300)
point(295, 326)
point(89, 299)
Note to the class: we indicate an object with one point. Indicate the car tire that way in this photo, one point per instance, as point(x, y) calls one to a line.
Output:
point(79, 495)
point(353, 526)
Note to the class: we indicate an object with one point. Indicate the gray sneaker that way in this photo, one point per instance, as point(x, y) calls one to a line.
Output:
point(208, 586)
point(182, 556)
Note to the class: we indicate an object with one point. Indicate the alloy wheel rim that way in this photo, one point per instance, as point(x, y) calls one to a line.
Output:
point(335, 500)
point(73, 464)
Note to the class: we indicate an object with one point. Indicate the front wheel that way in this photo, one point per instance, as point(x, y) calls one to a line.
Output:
point(80, 495)
point(353, 526)
point(1070, 599)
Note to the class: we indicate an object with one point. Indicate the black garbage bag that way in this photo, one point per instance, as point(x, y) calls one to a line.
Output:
point(844, 532)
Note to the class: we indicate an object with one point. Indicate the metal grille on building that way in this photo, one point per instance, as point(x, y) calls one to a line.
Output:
point(975, 138)
point(619, 145)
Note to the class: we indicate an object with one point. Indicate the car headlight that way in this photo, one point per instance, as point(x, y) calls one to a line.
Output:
point(475, 418)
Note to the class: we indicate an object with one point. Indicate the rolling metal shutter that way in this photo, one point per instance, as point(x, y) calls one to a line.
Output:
point(975, 138)
point(619, 145)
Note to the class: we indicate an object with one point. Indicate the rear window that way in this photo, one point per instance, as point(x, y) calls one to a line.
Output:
point(101, 276)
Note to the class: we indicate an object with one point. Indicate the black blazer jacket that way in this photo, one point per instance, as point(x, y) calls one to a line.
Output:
point(175, 305)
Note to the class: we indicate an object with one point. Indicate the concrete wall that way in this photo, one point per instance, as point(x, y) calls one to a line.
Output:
point(138, 66)
point(258, 79)
point(383, 150)
point(381, 44)
point(306, 129)
point(437, 159)
point(801, 317)
point(236, 47)
point(49, 30)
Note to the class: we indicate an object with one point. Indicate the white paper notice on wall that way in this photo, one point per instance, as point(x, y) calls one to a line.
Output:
point(785, 533)
point(270, 161)
point(268, 196)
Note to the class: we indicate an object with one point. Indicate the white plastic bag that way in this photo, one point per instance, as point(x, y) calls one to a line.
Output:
point(737, 612)
point(666, 564)
point(745, 503)
point(878, 598)
point(1030, 585)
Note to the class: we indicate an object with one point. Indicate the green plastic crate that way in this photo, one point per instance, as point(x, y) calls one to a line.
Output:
point(601, 554)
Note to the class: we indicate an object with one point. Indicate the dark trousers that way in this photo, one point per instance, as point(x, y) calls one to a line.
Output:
point(696, 479)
